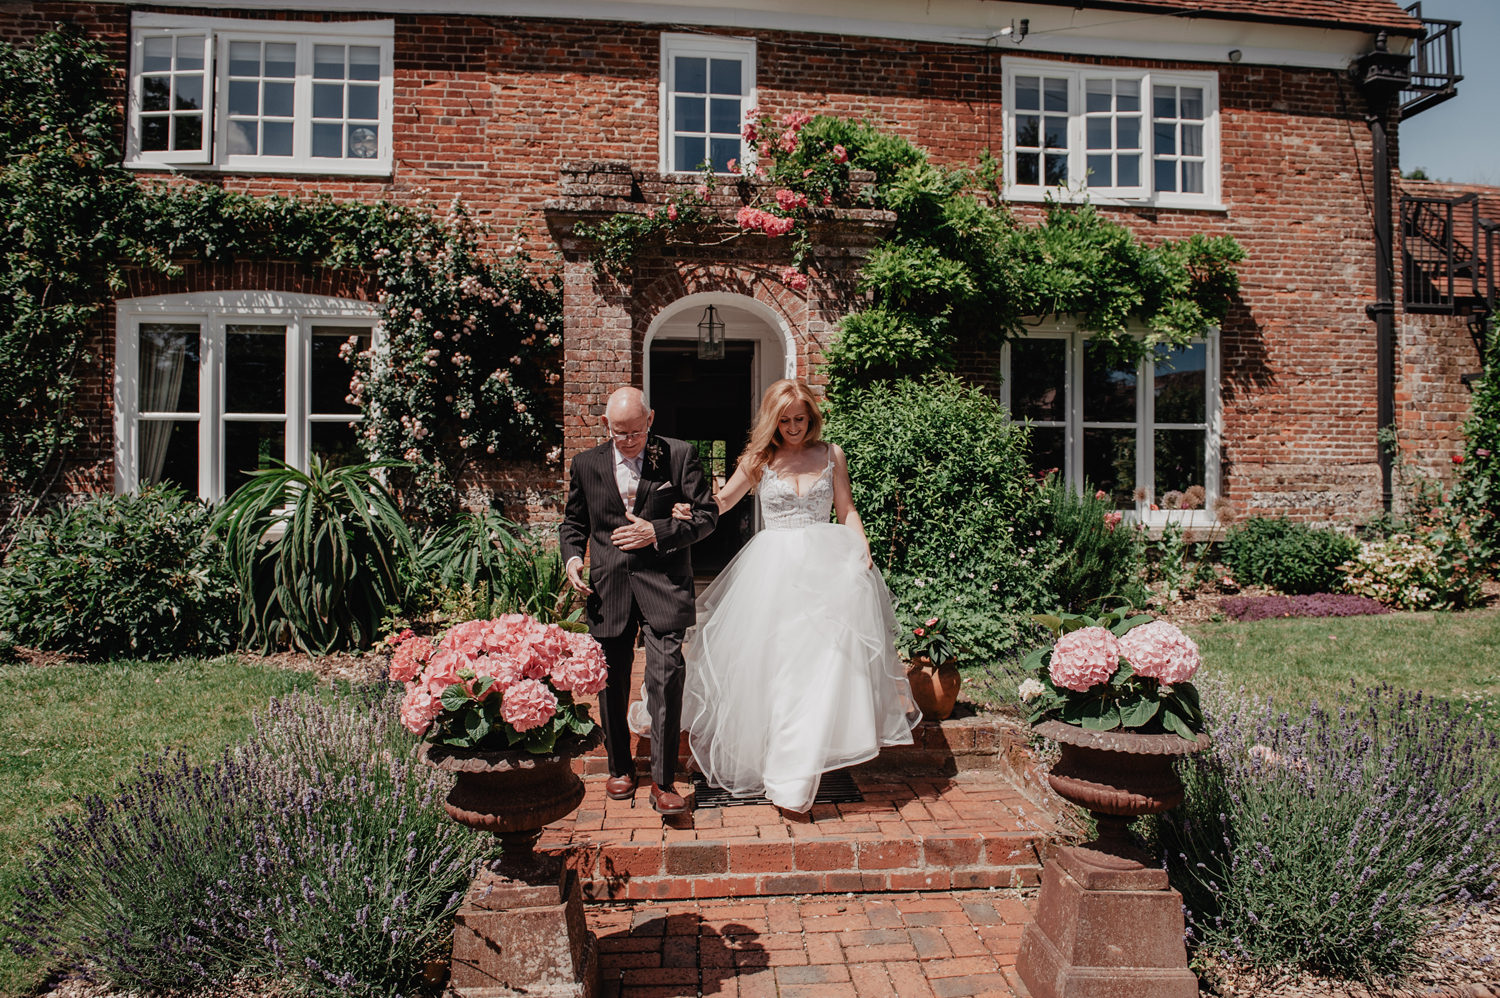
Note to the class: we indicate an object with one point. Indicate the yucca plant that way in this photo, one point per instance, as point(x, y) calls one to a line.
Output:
point(326, 581)
point(475, 550)
point(536, 582)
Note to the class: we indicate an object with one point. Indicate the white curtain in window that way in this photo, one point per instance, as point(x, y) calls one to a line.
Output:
point(164, 355)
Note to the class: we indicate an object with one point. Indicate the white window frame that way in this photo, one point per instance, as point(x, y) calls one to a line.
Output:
point(218, 33)
point(709, 47)
point(213, 311)
point(1078, 188)
point(1145, 426)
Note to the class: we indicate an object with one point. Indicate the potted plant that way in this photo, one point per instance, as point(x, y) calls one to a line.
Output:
point(494, 700)
point(932, 668)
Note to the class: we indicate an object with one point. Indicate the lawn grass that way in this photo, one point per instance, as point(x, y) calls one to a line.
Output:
point(1454, 656)
point(75, 729)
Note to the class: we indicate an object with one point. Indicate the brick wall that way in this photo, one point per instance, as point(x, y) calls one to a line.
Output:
point(492, 108)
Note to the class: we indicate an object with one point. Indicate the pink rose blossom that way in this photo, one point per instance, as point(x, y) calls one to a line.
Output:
point(794, 279)
point(528, 704)
point(1161, 651)
point(788, 141)
point(733, 165)
point(790, 200)
point(840, 154)
point(702, 189)
point(1112, 519)
point(672, 212)
point(1084, 658)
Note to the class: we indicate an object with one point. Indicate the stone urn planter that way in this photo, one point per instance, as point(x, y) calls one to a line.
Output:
point(1107, 921)
point(934, 686)
point(521, 928)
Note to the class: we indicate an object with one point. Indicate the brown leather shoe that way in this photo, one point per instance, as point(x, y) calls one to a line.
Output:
point(667, 801)
point(620, 787)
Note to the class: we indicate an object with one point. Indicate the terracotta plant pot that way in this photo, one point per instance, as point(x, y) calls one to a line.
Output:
point(1117, 775)
point(934, 686)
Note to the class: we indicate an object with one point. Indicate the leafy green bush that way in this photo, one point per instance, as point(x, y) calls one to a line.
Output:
point(1090, 558)
point(1431, 570)
point(1326, 842)
point(316, 855)
point(1288, 556)
point(327, 579)
point(941, 481)
point(138, 575)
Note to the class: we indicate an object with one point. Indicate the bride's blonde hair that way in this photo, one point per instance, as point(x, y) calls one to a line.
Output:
point(765, 437)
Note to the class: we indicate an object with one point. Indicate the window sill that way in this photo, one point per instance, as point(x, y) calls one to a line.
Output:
point(1041, 196)
point(380, 171)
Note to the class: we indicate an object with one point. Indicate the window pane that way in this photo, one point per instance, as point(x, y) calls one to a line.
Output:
point(1057, 170)
point(725, 77)
point(1098, 130)
point(255, 368)
point(1192, 140)
point(153, 134)
point(1108, 387)
point(1192, 103)
point(187, 131)
point(328, 140)
point(156, 56)
point(281, 60)
point(1128, 171)
point(689, 150)
point(244, 58)
point(277, 138)
point(328, 62)
point(189, 95)
point(1192, 177)
point(1057, 132)
point(242, 138)
point(335, 443)
point(189, 53)
point(1098, 95)
point(1164, 101)
point(1109, 464)
point(331, 371)
point(364, 102)
point(691, 75)
point(1179, 468)
point(167, 452)
point(250, 446)
point(1028, 170)
point(1055, 95)
point(690, 115)
point(1166, 138)
point(1166, 175)
point(244, 97)
point(364, 62)
point(724, 116)
point(722, 151)
point(1100, 169)
point(1038, 379)
point(364, 141)
point(1128, 95)
point(168, 358)
point(1028, 93)
point(1181, 384)
point(1128, 133)
point(1048, 449)
point(328, 100)
point(278, 100)
point(156, 93)
point(1028, 131)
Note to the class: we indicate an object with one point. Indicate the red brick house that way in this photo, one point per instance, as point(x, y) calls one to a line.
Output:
point(1260, 119)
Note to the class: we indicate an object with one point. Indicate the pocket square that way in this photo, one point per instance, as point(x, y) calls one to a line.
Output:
point(667, 485)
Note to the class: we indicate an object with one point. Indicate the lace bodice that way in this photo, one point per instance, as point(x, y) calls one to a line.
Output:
point(781, 507)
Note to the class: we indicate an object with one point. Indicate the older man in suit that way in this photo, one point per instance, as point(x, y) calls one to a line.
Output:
point(620, 498)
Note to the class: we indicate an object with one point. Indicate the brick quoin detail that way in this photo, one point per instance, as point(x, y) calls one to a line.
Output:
point(495, 109)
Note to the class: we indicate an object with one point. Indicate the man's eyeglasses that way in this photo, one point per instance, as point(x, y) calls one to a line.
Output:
point(632, 435)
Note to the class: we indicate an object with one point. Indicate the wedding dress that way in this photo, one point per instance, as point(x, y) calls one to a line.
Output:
point(792, 670)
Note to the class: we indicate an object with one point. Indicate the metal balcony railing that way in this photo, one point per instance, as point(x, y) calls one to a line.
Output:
point(1435, 68)
point(1448, 255)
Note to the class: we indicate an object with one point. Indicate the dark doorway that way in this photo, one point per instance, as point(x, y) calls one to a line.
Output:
point(709, 403)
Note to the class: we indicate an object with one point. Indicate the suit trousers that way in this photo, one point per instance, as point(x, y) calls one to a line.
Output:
point(665, 675)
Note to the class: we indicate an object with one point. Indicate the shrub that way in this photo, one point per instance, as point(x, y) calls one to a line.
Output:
point(1090, 559)
point(137, 575)
point(327, 580)
point(1325, 843)
point(1289, 556)
point(316, 854)
point(1248, 608)
point(1435, 570)
point(941, 481)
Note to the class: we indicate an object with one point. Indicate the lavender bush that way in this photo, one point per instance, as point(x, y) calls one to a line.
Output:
point(1328, 842)
point(316, 854)
point(1248, 608)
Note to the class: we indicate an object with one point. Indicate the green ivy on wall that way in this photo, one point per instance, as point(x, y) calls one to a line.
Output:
point(471, 339)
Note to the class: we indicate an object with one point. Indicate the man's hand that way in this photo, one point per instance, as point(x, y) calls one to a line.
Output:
point(636, 534)
point(574, 569)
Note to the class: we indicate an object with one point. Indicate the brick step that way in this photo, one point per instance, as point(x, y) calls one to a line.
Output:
point(910, 833)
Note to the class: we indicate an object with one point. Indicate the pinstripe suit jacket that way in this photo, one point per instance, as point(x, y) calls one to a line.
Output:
point(661, 577)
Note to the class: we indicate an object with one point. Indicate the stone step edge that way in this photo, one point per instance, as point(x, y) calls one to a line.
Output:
point(679, 888)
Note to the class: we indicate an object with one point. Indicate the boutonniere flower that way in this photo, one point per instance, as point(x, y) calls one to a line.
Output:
point(656, 454)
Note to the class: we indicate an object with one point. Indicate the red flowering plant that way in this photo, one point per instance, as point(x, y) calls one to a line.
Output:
point(1115, 671)
point(929, 637)
point(505, 683)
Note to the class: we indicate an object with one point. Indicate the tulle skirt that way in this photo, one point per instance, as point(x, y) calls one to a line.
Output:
point(791, 669)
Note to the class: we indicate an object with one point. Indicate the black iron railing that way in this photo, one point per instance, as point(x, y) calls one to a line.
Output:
point(1435, 66)
point(1447, 254)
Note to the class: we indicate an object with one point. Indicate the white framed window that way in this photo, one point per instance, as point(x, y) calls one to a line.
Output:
point(707, 85)
point(1146, 434)
point(208, 387)
point(260, 96)
point(1117, 134)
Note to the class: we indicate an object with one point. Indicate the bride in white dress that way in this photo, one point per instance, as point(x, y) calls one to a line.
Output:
point(792, 671)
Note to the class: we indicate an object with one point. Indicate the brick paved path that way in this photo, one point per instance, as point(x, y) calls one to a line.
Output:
point(899, 945)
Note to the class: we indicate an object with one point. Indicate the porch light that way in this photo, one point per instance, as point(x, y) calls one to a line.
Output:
point(710, 335)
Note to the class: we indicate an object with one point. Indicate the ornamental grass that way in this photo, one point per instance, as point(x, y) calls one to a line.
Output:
point(315, 854)
point(1333, 842)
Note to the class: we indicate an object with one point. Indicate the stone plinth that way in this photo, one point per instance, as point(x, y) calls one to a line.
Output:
point(1107, 926)
point(521, 931)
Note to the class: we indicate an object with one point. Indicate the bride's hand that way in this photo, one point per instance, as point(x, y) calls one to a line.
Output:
point(682, 511)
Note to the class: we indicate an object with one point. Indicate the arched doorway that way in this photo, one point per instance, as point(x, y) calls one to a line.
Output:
point(712, 402)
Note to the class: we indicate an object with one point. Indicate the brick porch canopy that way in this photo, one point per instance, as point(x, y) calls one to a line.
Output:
point(1378, 15)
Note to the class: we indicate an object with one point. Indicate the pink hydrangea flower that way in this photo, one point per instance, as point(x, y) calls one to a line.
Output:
point(1161, 651)
point(409, 658)
point(442, 670)
point(418, 709)
point(528, 704)
point(506, 670)
point(584, 669)
point(1084, 658)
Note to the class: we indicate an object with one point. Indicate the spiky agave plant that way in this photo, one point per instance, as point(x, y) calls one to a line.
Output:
point(316, 555)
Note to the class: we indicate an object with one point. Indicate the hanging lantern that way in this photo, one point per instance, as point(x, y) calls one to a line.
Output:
point(710, 335)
